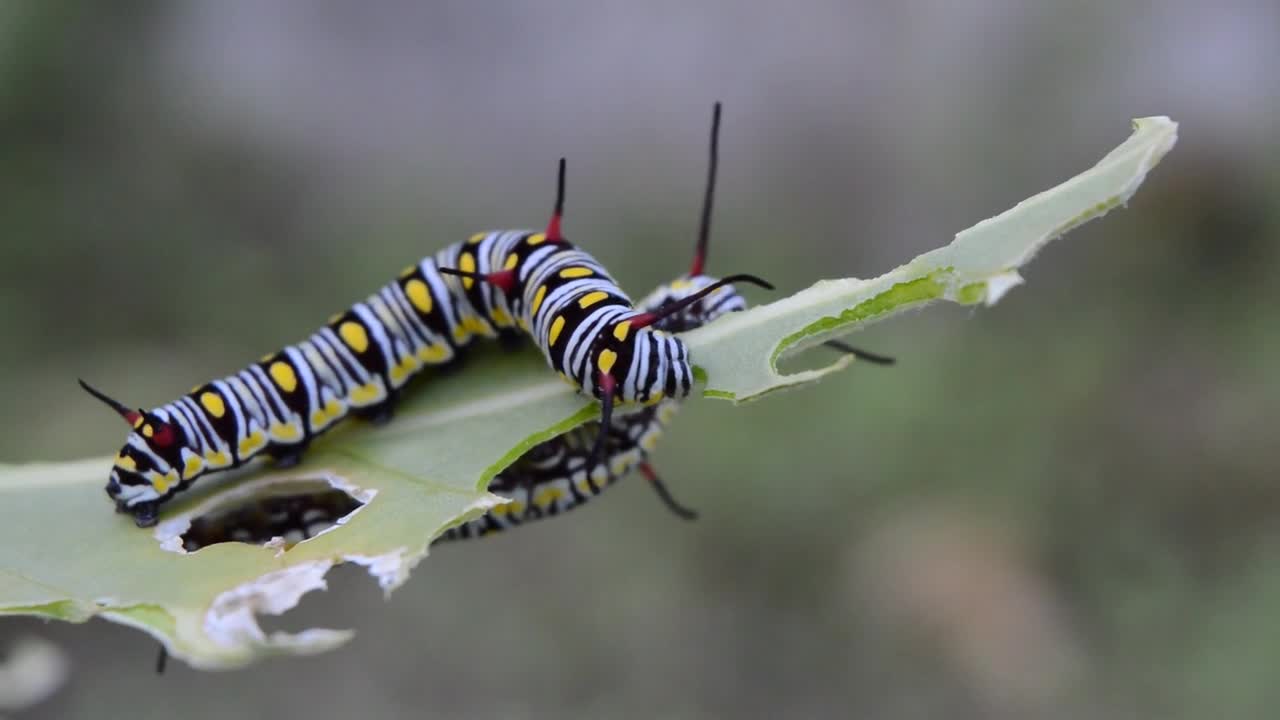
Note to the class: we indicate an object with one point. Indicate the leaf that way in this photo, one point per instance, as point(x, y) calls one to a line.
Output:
point(738, 354)
point(66, 556)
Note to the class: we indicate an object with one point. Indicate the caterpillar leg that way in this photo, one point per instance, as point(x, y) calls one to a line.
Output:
point(162, 659)
point(145, 513)
point(284, 457)
point(531, 509)
point(681, 511)
point(510, 340)
point(381, 413)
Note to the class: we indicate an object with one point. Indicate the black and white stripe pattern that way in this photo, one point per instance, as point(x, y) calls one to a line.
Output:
point(358, 362)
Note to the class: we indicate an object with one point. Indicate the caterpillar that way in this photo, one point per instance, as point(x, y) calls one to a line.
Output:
point(493, 285)
point(563, 473)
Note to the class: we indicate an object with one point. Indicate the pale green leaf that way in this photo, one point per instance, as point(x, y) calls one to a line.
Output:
point(65, 555)
point(738, 354)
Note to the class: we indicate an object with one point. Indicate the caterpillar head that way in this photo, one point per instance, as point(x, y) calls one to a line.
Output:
point(145, 472)
point(636, 363)
point(637, 358)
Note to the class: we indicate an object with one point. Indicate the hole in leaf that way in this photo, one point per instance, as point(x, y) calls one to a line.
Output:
point(284, 513)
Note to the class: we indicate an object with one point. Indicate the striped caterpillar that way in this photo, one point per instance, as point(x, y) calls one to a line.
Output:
point(494, 284)
point(563, 473)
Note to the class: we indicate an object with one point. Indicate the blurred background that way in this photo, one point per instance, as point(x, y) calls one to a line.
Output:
point(1063, 506)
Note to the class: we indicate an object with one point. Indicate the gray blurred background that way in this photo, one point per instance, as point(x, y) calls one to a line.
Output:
point(1064, 506)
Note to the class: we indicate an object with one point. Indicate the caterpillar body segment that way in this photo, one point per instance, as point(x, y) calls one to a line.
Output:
point(559, 475)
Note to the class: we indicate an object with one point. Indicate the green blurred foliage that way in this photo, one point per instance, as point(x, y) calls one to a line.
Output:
point(1062, 506)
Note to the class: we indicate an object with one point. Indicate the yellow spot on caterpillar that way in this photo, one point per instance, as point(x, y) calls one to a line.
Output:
point(217, 459)
point(500, 318)
point(666, 413)
point(283, 375)
point(557, 325)
point(545, 497)
point(567, 381)
point(500, 510)
point(124, 462)
point(434, 354)
point(592, 298)
point(468, 326)
point(162, 483)
point(354, 335)
point(419, 295)
point(285, 431)
point(322, 416)
point(679, 284)
point(515, 507)
point(366, 395)
point(408, 271)
point(650, 441)
point(467, 263)
point(606, 360)
point(212, 402)
point(538, 297)
point(192, 467)
point(575, 272)
point(512, 260)
point(655, 398)
point(148, 431)
point(622, 464)
point(476, 239)
point(334, 318)
point(252, 443)
point(621, 330)
point(137, 421)
point(401, 372)
point(537, 238)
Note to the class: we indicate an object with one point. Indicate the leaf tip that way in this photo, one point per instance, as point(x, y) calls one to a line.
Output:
point(998, 285)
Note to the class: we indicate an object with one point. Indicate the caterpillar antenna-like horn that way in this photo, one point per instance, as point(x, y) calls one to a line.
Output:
point(860, 354)
point(130, 416)
point(553, 225)
point(708, 196)
point(608, 385)
point(664, 494)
